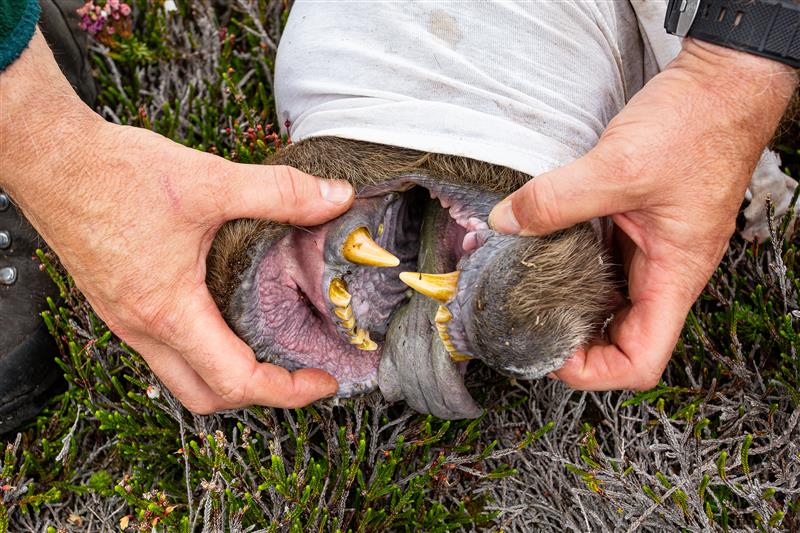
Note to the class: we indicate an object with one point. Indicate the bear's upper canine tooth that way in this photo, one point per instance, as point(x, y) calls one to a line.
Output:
point(359, 248)
point(440, 287)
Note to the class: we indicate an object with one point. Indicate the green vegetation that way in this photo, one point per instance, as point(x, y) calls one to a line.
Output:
point(712, 447)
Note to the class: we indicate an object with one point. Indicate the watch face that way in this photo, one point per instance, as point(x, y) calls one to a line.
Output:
point(683, 13)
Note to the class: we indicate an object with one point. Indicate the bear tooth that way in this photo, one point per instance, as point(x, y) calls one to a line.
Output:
point(359, 248)
point(345, 313)
point(337, 292)
point(440, 287)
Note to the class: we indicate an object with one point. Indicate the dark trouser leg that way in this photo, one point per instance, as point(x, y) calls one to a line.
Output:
point(59, 25)
point(28, 373)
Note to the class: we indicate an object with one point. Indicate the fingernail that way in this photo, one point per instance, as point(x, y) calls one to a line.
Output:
point(502, 218)
point(335, 191)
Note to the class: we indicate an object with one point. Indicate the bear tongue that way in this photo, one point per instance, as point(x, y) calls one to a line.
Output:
point(415, 366)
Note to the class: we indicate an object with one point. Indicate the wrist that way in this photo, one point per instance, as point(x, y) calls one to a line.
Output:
point(731, 61)
point(738, 84)
point(725, 106)
point(46, 131)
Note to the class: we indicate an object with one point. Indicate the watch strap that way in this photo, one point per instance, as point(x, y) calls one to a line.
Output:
point(768, 28)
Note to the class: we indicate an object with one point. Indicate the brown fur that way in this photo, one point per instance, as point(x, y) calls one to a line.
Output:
point(229, 255)
point(560, 266)
point(558, 295)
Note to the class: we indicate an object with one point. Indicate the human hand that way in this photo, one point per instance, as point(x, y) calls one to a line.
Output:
point(132, 216)
point(671, 170)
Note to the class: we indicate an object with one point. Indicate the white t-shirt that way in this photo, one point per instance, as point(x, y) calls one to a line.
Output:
point(527, 85)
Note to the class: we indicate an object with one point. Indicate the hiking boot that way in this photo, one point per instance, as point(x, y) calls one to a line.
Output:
point(29, 376)
point(28, 373)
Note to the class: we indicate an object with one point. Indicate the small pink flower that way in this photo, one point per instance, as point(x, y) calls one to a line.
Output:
point(125, 9)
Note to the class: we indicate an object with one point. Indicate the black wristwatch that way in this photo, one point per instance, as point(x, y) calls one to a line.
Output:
point(769, 28)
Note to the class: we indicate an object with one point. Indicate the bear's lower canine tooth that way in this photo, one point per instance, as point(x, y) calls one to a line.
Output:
point(440, 287)
point(337, 292)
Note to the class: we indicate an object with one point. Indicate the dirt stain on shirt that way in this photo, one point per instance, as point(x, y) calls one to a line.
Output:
point(444, 26)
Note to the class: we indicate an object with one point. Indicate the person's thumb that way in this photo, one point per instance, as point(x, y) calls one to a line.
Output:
point(561, 198)
point(283, 194)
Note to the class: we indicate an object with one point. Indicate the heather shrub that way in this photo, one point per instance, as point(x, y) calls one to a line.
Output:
point(712, 447)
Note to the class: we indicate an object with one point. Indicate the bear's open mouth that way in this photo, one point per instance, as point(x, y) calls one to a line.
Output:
point(325, 296)
point(408, 285)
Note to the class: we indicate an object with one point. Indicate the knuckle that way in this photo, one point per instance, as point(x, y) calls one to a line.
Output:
point(233, 392)
point(278, 181)
point(157, 320)
point(622, 161)
point(289, 184)
point(726, 200)
point(126, 321)
point(116, 322)
point(218, 168)
point(622, 166)
point(648, 381)
point(220, 193)
point(200, 407)
point(540, 207)
point(294, 401)
point(233, 396)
